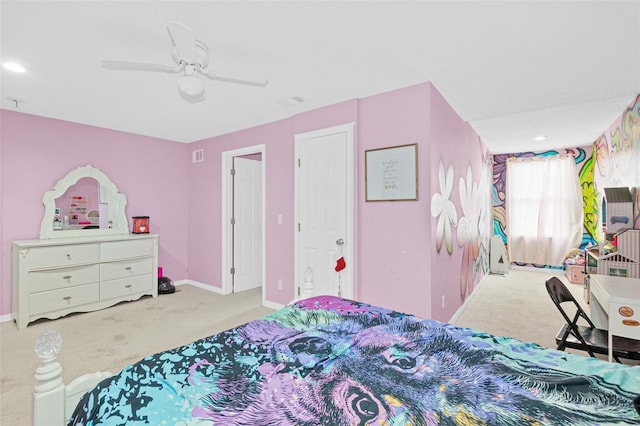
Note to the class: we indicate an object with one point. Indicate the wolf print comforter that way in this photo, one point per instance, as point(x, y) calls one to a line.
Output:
point(331, 361)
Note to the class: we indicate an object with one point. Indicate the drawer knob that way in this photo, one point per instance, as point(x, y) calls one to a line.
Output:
point(68, 256)
point(67, 298)
point(128, 268)
point(67, 277)
point(127, 286)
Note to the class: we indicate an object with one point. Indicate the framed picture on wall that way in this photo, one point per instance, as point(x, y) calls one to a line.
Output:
point(391, 174)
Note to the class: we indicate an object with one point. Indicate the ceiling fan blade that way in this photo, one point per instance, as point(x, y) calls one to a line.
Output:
point(235, 80)
point(183, 40)
point(138, 66)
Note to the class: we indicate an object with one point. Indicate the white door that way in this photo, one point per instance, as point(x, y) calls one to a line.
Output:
point(247, 224)
point(324, 212)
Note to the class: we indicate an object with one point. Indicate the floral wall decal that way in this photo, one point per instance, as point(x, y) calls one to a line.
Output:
point(468, 232)
point(485, 205)
point(444, 209)
point(474, 227)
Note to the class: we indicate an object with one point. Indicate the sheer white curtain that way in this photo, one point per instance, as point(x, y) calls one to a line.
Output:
point(544, 209)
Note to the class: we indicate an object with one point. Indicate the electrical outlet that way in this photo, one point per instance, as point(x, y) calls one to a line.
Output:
point(279, 284)
point(443, 301)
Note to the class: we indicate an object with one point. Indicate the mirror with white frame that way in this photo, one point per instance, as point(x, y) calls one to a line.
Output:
point(84, 203)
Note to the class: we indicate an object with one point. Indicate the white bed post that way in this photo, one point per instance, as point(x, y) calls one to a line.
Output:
point(49, 391)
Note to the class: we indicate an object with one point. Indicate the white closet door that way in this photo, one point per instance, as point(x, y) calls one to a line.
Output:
point(247, 251)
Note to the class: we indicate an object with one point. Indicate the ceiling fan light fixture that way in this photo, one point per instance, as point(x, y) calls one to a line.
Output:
point(191, 85)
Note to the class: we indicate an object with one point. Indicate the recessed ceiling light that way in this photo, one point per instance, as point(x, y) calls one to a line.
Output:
point(15, 67)
point(539, 138)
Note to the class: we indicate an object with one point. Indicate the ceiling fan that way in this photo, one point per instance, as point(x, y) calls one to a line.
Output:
point(190, 57)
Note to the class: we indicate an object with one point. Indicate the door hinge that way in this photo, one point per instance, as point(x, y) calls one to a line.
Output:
point(233, 271)
point(298, 162)
point(233, 172)
point(298, 291)
point(233, 220)
point(298, 226)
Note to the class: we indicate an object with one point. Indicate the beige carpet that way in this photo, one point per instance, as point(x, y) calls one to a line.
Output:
point(516, 305)
point(112, 338)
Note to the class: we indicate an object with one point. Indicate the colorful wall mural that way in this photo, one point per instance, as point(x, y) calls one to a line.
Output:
point(584, 160)
point(612, 161)
point(618, 159)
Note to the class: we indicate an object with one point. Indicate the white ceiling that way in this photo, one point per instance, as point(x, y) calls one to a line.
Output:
point(513, 69)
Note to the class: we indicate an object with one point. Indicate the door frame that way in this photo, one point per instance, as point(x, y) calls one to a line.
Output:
point(227, 214)
point(348, 249)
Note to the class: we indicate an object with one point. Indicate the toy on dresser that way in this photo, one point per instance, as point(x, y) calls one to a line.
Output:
point(625, 260)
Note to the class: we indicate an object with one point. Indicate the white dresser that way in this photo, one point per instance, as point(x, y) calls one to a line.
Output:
point(55, 277)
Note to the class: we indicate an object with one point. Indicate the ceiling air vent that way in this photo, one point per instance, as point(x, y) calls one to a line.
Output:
point(197, 156)
point(291, 101)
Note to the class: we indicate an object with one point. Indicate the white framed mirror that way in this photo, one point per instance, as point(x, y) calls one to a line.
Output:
point(84, 203)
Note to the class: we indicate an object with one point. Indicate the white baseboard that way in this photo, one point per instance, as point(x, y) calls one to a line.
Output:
point(265, 303)
point(550, 271)
point(200, 285)
point(6, 318)
point(272, 305)
point(461, 309)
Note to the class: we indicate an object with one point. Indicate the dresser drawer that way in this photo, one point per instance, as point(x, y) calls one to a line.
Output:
point(61, 256)
point(115, 250)
point(125, 286)
point(125, 268)
point(48, 301)
point(52, 279)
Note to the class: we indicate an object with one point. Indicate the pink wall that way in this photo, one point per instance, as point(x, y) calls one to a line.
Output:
point(394, 264)
point(395, 261)
point(205, 200)
point(205, 234)
point(393, 247)
point(37, 152)
point(618, 157)
point(455, 143)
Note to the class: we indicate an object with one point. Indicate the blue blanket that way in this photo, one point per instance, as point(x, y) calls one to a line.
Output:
point(331, 361)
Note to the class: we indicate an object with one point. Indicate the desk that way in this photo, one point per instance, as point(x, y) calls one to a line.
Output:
point(615, 306)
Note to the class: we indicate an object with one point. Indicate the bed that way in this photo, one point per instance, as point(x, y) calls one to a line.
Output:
point(331, 361)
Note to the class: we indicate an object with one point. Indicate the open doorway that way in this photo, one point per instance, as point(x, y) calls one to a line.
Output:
point(243, 253)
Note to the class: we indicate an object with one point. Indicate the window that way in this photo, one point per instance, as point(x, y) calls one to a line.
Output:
point(544, 209)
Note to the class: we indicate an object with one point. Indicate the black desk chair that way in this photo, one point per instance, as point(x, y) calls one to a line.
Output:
point(587, 338)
